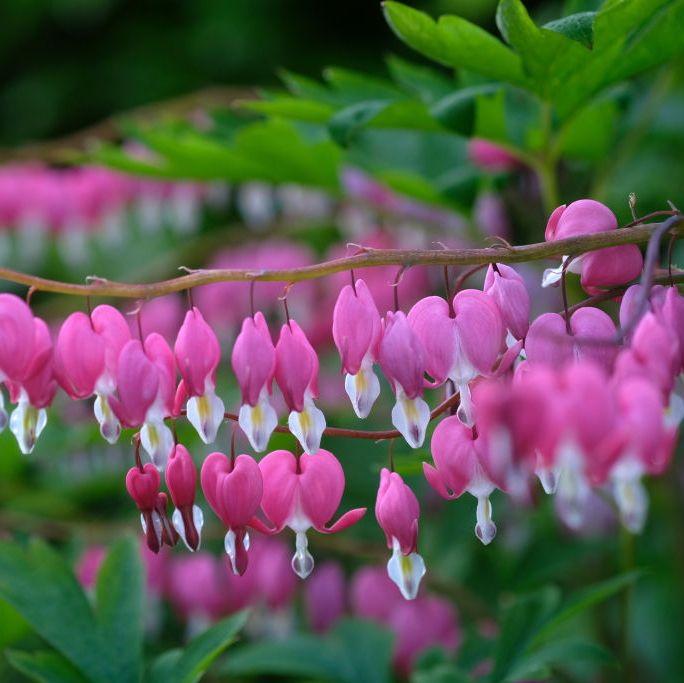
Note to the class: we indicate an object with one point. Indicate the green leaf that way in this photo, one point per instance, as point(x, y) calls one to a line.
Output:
point(457, 111)
point(590, 135)
point(354, 651)
point(454, 42)
point(43, 589)
point(119, 600)
point(586, 598)
point(522, 621)
point(562, 652)
point(347, 122)
point(579, 27)
point(422, 82)
point(188, 665)
point(295, 108)
point(45, 667)
point(300, 656)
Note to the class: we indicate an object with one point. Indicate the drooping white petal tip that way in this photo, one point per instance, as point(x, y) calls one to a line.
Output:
point(307, 426)
point(406, 571)
point(258, 422)
point(157, 440)
point(179, 525)
point(302, 560)
point(205, 413)
point(231, 551)
point(27, 423)
point(485, 529)
point(411, 417)
point(110, 427)
point(363, 390)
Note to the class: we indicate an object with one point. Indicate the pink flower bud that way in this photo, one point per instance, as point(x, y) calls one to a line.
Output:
point(324, 596)
point(234, 492)
point(198, 354)
point(143, 488)
point(296, 372)
point(16, 338)
point(508, 290)
point(397, 512)
point(304, 493)
point(181, 480)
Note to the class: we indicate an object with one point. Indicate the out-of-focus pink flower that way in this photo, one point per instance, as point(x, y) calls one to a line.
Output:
point(491, 157)
point(35, 392)
point(234, 490)
point(181, 480)
point(373, 595)
point(163, 314)
point(88, 565)
point(402, 359)
point(325, 596)
point(462, 347)
point(296, 371)
point(270, 572)
point(198, 354)
point(357, 330)
point(146, 379)
point(593, 338)
point(426, 622)
point(489, 214)
point(397, 512)
point(225, 304)
point(302, 493)
point(143, 488)
point(508, 290)
point(254, 363)
point(457, 453)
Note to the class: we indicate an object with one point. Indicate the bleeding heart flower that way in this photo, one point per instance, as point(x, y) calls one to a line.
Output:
point(254, 363)
point(302, 493)
point(198, 354)
point(35, 392)
point(86, 360)
point(296, 372)
point(457, 453)
point(508, 290)
point(234, 491)
point(462, 347)
point(402, 359)
point(146, 384)
point(16, 338)
point(397, 512)
point(357, 330)
point(181, 480)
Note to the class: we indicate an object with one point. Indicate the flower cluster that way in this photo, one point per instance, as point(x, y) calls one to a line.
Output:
point(569, 398)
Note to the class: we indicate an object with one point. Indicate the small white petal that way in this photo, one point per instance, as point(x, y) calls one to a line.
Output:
point(632, 501)
point(674, 413)
point(4, 417)
point(465, 407)
point(110, 427)
point(179, 524)
point(363, 390)
point(573, 489)
point(406, 571)
point(485, 529)
point(27, 423)
point(302, 561)
point(548, 476)
point(258, 422)
point(551, 276)
point(156, 522)
point(205, 413)
point(411, 417)
point(307, 426)
point(157, 440)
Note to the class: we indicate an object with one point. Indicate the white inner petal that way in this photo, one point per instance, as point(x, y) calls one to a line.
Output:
point(405, 570)
point(205, 413)
point(410, 416)
point(307, 426)
point(363, 389)
point(157, 440)
point(258, 422)
point(27, 423)
point(110, 427)
point(302, 561)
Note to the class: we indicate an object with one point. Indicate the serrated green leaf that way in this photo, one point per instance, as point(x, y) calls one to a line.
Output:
point(579, 27)
point(43, 589)
point(454, 42)
point(188, 665)
point(45, 667)
point(119, 603)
